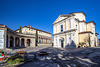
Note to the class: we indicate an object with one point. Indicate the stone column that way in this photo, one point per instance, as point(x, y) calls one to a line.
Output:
point(19, 42)
point(67, 39)
point(25, 43)
point(40, 39)
point(8, 40)
point(14, 42)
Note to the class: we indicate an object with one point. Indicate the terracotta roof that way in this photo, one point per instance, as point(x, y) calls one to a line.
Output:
point(2, 25)
point(85, 32)
point(86, 22)
point(64, 15)
point(34, 29)
point(83, 21)
point(91, 22)
point(67, 15)
point(96, 34)
point(78, 12)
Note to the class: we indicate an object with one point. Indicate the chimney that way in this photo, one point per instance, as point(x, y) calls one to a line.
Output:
point(30, 26)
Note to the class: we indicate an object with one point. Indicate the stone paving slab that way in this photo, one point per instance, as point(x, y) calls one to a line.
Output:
point(60, 57)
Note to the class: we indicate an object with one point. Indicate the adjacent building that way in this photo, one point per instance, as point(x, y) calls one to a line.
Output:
point(72, 30)
point(13, 39)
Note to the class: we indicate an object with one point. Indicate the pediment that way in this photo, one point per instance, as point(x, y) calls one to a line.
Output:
point(59, 19)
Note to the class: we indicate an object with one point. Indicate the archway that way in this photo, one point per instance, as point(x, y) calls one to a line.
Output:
point(16, 42)
point(11, 41)
point(28, 42)
point(78, 46)
point(62, 42)
point(22, 42)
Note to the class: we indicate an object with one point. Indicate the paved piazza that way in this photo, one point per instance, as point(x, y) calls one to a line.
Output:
point(60, 57)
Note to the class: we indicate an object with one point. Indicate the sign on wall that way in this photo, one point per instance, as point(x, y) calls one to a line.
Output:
point(1, 39)
point(1, 57)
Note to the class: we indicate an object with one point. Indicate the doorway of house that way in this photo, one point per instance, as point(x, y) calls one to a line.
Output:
point(28, 42)
point(62, 43)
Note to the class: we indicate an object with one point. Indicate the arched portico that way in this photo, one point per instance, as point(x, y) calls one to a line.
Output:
point(11, 41)
point(28, 42)
point(22, 42)
point(16, 42)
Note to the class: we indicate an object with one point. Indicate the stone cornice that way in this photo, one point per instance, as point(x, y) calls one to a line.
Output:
point(65, 32)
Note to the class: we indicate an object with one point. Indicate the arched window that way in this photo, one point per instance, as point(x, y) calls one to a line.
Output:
point(22, 42)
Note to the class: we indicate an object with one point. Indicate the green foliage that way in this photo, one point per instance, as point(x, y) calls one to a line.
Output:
point(1, 51)
point(36, 36)
point(7, 59)
point(16, 59)
point(20, 30)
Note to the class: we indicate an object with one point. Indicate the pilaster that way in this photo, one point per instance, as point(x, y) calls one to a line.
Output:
point(14, 42)
point(19, 42)
point(8, 40)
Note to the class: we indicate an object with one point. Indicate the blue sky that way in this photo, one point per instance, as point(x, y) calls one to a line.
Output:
point(42, 13)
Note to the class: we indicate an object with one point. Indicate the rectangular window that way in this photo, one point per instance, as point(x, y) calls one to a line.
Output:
point(39, 40)
point(61, 28)
point(56, 41)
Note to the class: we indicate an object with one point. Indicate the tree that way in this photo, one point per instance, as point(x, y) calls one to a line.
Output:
point(20, 30)
point(36, 38)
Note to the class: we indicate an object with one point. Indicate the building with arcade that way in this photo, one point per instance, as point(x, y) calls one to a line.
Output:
point(10, 39)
